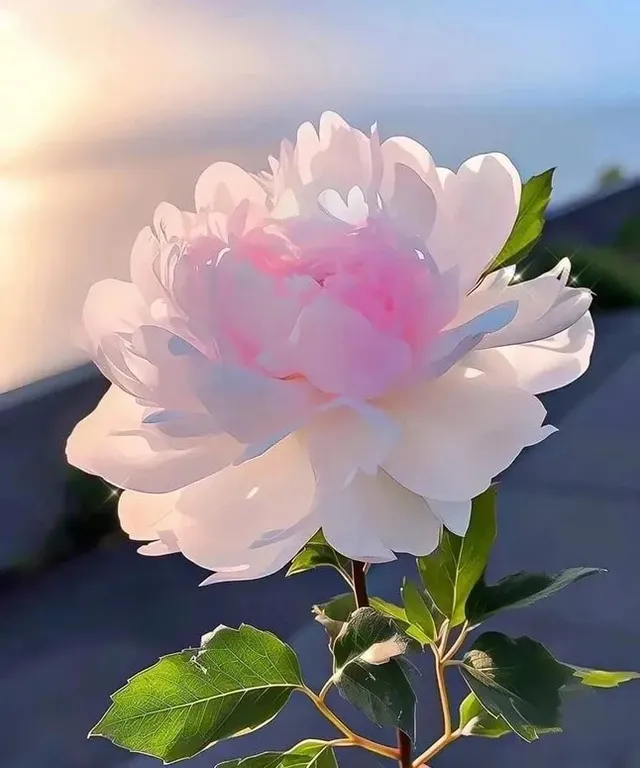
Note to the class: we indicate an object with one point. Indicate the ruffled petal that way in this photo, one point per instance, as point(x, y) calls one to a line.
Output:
point(455, 515)
point(402, 151)
point(114, 442)
point(143, 516)
point(112, 312)
point(545, 365)
point(410, 186)
point(145, 255)
point(247, 522)
point(453, 343)
point(546, 305)
point(477, 209)
point(224, 186)
point(373, 517)
point(340, 352)
point(347, 438)
point(459, 432)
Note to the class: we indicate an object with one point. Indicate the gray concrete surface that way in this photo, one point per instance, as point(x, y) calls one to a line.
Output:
point(70, 639)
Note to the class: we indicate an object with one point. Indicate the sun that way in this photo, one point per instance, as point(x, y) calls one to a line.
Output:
point(35, 87)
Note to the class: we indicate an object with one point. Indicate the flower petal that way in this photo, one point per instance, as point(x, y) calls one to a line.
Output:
point(454, 514)
point(477, 209)
point(409, 186)
point(348, 438)
point(459, 432)
point(114, 443)
point(453, 343)
point(340, 352)
point(545, 305)
point(223, 186)
point(249, 521)
point(145, 255)
point(373, 517)
point(143, 515)
point(545, 365)
point(400, 150)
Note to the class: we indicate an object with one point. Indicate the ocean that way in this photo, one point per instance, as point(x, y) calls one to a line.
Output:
point(69, 214)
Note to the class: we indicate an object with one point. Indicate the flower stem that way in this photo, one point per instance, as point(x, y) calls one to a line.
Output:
point(443, 659)
point(444, 696)
point(458, 643)
point(435, 749)
point(404, 749)
point(359, 584)
point(325, 689)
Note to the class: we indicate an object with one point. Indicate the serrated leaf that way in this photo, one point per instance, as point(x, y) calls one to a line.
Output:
point(601, 678)
point(535, 197)
point(450, 573)
point(520, 590)
point(516, 679)
point(476, 721)
point(422, 626)
point(367, 673)
point(316, 554)
point(307, 754)
point(238, 681)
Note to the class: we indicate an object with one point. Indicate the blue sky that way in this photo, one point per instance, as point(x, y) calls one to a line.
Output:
point(445, 46)
point(132, 64)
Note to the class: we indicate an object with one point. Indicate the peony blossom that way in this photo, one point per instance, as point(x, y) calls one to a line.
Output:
point(320, 347)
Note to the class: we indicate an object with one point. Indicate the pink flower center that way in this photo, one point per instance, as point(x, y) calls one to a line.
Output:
point(368, 270)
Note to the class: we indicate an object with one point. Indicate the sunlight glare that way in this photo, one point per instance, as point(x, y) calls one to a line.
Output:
point(35, 86)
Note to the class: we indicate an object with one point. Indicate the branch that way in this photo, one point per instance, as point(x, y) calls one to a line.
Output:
point(353, 738)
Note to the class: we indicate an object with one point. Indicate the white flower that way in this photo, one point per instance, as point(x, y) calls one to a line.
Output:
point(315, 347)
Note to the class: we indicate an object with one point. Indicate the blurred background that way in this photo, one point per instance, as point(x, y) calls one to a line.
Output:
point(108, 107)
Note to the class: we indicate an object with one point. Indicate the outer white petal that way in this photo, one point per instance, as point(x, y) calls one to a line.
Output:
point(411, 203)
point(455, 342)
point(477, 209)
point(373, 517)
point(114, 443)
point(454, 514)
point(249, 521)
point(347, 438)
point(459, 432)
point(545, 305)
point(224, 186)
point(144, 515)
point(337, 157)
point(544, 365)
point(400, 150)
point(112, 311)
point(256, 409)
point(170, 223)
point(145, 256)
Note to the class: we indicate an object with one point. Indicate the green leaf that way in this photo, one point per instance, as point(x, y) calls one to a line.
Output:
point(476, 721)
point(601, 678)
point(520, 590)
point(516, 679)
point(238, 681)
point(307, 754)
point(341, 607)
point(527, 229)
point(317, 553)
point(450, 573)
point(376, 686)
point(422, 626)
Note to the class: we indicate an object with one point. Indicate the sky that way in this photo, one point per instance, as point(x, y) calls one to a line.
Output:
point(72, 70)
